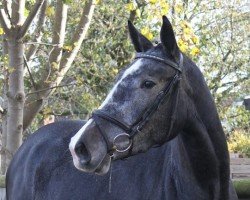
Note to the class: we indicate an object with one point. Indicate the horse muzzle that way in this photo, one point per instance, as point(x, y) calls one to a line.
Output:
point(89, 150)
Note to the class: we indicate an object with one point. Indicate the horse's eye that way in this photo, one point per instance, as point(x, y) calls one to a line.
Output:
point(148, 84)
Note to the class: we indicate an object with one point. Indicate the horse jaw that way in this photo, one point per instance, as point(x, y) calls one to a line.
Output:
point(104, 166)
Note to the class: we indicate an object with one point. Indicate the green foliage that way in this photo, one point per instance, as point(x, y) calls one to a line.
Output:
point(106, 50)
point(67, 1)
point(242, 188)
point(214, 34)
point(239, 141)
point(2, 181)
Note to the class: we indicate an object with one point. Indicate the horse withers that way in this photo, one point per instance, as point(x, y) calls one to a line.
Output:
point(160, 100)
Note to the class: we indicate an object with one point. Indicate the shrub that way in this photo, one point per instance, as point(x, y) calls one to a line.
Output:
point(239, 142)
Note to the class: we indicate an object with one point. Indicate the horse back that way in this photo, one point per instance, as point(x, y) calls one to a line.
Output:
point(40, 151)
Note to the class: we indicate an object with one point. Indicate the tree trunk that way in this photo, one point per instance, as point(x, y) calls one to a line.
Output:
point(4, 114)
point(15, 97)
point(12, 21)
point(15, 27)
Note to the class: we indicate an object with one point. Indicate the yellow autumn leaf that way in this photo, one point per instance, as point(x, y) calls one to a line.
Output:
point(178, 8)
point(115, 71)
point(97, 2)
point(50, 11)
point(150, 36)
point(47, 111)
point(164, 8)
point(183, 48)
point(239, 142)
point(180, 42)
point(147, 33)
point(130, 6)
point(54, 66)
point(144, 30)
point(152, 1)
point(138, 13)
point(187, 31)
point(194, 51)
point(184, 24)
point(150, 17)
point(1, 31)
point(195, 40)
point(182, 45)
point(67, 47)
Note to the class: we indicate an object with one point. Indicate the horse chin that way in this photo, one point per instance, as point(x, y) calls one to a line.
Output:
point(104, 166)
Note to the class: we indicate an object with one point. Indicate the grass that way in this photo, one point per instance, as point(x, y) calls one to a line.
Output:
point(242, 188)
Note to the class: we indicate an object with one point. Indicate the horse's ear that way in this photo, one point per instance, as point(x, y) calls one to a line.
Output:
point(140, 42)
point(168, 39)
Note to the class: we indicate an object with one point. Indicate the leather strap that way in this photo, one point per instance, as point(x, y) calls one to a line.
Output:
point(167, 62)
point(149, 111)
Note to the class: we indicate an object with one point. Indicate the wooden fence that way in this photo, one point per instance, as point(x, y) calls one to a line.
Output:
point(240, 168)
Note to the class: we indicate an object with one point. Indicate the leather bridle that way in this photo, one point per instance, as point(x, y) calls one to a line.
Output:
point(132, 129)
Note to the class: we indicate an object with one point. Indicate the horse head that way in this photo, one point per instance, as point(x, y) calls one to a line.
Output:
point(147, 106)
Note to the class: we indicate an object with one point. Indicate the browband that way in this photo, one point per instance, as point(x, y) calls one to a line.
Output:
point(167, 62)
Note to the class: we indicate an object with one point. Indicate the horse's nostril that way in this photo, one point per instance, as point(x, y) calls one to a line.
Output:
point(82, 153)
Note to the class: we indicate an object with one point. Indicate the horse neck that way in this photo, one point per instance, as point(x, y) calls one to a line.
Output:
point(203, 135)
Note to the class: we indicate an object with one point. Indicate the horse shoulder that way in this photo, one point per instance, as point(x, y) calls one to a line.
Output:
point(37, 155)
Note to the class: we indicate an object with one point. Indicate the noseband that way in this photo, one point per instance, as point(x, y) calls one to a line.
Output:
point(142, 120)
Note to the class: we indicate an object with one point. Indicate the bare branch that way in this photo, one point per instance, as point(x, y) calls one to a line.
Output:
point(30, 18)
point(50, 88)
point(38, 32)
point(33, 107)
point(194, 9)
point(1, 110)
point(30, 110)
point(59, 31)
point(226, 56)
point(7, 8)
point(31, 77)
point(77, 39)
point(17, 12)
point(41, 43)
point(5, 22)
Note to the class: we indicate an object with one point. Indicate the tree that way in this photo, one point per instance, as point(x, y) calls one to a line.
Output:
point(217, 32)
point(22, 40)
point(213, 34)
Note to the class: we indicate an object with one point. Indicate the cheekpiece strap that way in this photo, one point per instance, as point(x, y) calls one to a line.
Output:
point(167, 62)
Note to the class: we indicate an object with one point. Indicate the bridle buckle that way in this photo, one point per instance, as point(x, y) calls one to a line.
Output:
point(122, 142)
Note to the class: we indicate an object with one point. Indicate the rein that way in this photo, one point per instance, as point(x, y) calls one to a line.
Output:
point(143, 119)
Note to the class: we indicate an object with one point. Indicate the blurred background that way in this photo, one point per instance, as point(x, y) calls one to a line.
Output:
point(215, 34)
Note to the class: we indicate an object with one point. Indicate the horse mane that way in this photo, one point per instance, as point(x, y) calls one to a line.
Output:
point(208, 116)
